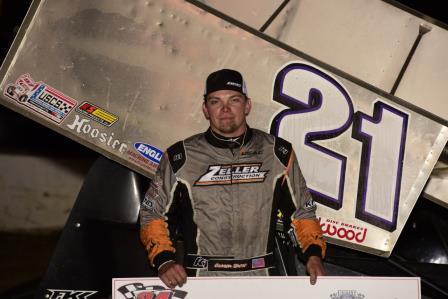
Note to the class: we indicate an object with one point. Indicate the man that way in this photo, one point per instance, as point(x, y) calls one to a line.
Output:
point(221, 190)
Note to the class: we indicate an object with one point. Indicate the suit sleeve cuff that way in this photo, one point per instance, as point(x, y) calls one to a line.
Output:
point(312, 250)
point(162, 258)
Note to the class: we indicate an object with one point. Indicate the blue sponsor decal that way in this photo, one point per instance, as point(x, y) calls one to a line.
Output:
point(148, 151)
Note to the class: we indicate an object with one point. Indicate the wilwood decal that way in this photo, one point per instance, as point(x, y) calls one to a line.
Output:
point(343, 230)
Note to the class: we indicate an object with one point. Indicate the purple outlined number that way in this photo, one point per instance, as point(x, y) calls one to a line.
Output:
point(319, 109)
point(383, 138)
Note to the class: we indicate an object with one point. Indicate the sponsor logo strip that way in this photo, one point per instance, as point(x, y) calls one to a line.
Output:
point(343, 230)
point(97, 114)
point(215, 263)
point(232, 174)
point(349, 294)
point(149, 152)
point(142, 161)
point(51, 103)
point(40, 98)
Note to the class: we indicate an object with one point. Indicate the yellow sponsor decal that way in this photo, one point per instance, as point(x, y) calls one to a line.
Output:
point(97, 114)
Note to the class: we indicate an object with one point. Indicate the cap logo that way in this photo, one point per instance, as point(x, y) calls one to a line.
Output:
point(233, 83)
point(224, 79)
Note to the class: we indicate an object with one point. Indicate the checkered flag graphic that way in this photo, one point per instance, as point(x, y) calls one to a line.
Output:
point(65, 108)
point(132, 290)
point(129, 289)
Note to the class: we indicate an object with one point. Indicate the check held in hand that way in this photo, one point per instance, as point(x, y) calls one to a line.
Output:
point(269, 287)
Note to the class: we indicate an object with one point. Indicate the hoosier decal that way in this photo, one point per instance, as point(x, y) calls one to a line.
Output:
point(232, 174)
point(83, 126)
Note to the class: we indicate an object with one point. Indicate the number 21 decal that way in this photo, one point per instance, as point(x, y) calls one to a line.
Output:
point(320, 109)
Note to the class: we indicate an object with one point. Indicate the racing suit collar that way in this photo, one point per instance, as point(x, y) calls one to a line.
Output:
point(218, 140)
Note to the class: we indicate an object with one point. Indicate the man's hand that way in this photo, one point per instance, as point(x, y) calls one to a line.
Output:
point(172, 274)
point(315, 268)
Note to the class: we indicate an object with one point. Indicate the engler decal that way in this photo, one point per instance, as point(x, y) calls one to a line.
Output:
point(147, 156)
point(148, 151)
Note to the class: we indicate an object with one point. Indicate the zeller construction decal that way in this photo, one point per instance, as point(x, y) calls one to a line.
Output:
point(232, 174)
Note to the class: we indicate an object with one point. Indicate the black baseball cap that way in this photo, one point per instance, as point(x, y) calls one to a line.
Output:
point(225, 79)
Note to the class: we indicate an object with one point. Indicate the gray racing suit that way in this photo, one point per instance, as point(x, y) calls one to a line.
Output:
point(224, 201)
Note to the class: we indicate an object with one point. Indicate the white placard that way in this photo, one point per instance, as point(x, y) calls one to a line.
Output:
point(331, 287)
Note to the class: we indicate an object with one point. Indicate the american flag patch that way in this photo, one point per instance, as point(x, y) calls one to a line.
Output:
point(258, 263)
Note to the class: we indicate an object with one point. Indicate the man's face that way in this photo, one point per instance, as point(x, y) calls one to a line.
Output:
point(226, 110)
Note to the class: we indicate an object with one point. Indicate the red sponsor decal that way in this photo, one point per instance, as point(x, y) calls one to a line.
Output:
point(142, 161)
point(153, 295)
point(342, 230)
